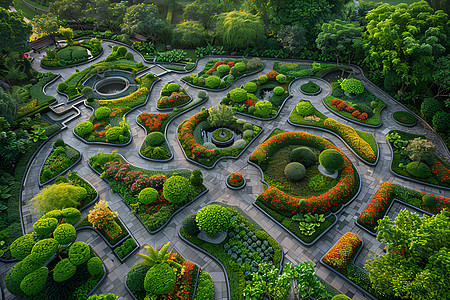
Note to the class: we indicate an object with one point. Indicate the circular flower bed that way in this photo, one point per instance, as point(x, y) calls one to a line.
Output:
point(405, 118)
point(310, 88)
point(222, 135)
point(235, 181)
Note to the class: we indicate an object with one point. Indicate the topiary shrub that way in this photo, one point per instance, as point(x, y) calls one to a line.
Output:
point(122, 51)
point(223, 69)
point(441, 121)
point(71, 215)
point(250, 87)
point(209, 145)
point(238, 95)
point(79, 253)
point(58, 143)
point(234, 72)
point(281, 78)
point(248, 134)
point(261, 79)
point(418, 169)
point(239, 143)
point(278, 91)
point(136, 276)
point(11, 283)
point(62, 86)
point(84, 128)
point(352, 85)
point(263, 109)
point(248, 126)
point(196, 177)
point(240, 66)
point(304, 108)
point(44, 250)
point(34, 282)
point(95, 266)
point(213, 82)
point(304, 156)
point(173, 87)
point(251, 110)
point(190, 225)
point(202, 94)
point(154, 139)
point(176, 189)
point(102, 112)
point(148, 195)
point(64, 270)
point(430, 200)
point(22, 246)
point(160, 279)
point(113, 133)
point(341, 297)
point(331, 160)
point(65, 234)
point(45, 226)
point(57, 214)
point(429, 107)
point(295, 171)
point(213, 218)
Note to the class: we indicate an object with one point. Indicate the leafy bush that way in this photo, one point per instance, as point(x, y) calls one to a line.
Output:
point(11, 282)
point(173, 87)
point(72, 215)
point(114, 133)
point(248, 134)
point(95, 266)
point(102, 112)
point(62, 86)
point(304, 108)
point(303, 155)
point(331, 159)
point(281, 78)
point(44, 250)
point(202, 94)
point(84, 128)
point(65, 234)
point(213, 82)
point(261, 79)
point(101, 215)
point(237, 95)
point(429, 107)
point(148, 195)
point(213, 218)
point(418, 169)
point(277, 91)
point(295, 171)
point(190, 225)
point(58, 143)
point(154, 139)
point(61, 179)
point(352, 85)
point(196, 177)
point(22, 246)
point(64, 270)
point(205, 287)
point(240, 66)
point(160, 279)
point(263, 109)
point(136, 276)
point(441, 121)
point(176, 189)
point(250, 87)
point(34, 282)
point(79, 253)
point(430, 200)
point(223, 69)
point(45, 226)
point(58, 196)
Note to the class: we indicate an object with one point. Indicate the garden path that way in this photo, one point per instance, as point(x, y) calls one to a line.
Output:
point(372, 178)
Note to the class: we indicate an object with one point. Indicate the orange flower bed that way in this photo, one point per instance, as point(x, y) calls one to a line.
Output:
point(343, 252)
point(214, 68)
point(152, 121)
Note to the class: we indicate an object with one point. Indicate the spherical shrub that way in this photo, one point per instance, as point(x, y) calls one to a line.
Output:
point(223, 69)
point(113, 133)
point(95, 266)
point(418, 169)
point(213, 218)
point(441, 121)
point(240, 66)
point(304, 156)
point(65, 234)
point(122, 51)
point(213, 82)
point(430, 200)
point(61, 179)
point(44, 250)
point(147, 196)
point(429, 107)
point(84, 128)
point(202, 94)
point(278, 91)
point(209, 145)
point(62, 86)
point(22, 246)
point(34, 282)
point(251, 110)
point(341, 297)
point(248, 126)
point(176, 189)
point(129, 56)
point(173, 87)
point(102, 112)
point(261, 79)
point(58, 143)
point(281, 78)
point(71, 215)
point(234, 71)
point(248, 134)
point(190, 225)
point(352, 85)
point(263, 109)
point(304, 108)
point(239, 143)
point(160, 279)
point(136, 276)
point(154, 139)
point(64, 270)
point(250, 87)
point(56, 213)
point(295, 171)
point(12, 284)
point(196, 177)
point(79, 253)
point(45, 226)
point(238, 95)
point(331, 160)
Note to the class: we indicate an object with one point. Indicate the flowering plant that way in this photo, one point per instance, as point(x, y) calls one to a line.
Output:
point(101, 216)
point(235, 179)
point(151, 121)
point(342, 253)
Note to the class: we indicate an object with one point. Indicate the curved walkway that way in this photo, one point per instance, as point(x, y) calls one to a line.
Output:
point(372, 178)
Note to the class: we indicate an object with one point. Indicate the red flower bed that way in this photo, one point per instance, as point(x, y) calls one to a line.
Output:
point(336, 102)
point(343, 252)
point(175, 99)
point(440, 172)
point(356, 113)
point(152, 121)
point(363, 116)
point(214, 68)
point(186, 275)
point(235, 179)
point(272, 75)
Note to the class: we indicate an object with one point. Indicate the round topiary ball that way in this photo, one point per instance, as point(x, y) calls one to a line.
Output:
point(102, 112)
point(64, 270)
point(251, 110)
point(34, 282)
point(147, 196)
point(281, 78)
point(239, 143)
point(278, 91)
point(22, 246)
point(209, 145)
point(65, 234)
point(190, 225)
point(196, 178)
point(304, 108)
point(430, 200)
point(176, 189)
point(248, 134)
point(240, 66)
point(213, 218)
point(202, 94)
point(173, 87)
point(248, 126)
point(304, 156)
point(79, 253)
point(136, 276)
point(84, 128)
point(418, 169)
point(238, 95)
point(45, 226)
point(154, 139)
point(114, 133)
point(160, 279)
point(58, 143)
point(295, 171)
point(72, 215)
point(341, 297)
point(250, 87)
point(95, 266)
point(331, 160)
point(44, 250)
point(223, 69)
point(212, 82)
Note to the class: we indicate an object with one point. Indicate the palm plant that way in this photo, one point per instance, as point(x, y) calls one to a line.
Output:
point(156, 256)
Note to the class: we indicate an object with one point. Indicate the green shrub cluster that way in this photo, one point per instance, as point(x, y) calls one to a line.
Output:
point(331, 159)
point(114, 133)
point(430, 200)
point(136, 276)
point(154, 139)
point(79, 253)
point(263, 109)
point(304, 108)
point(418, 169)
point(250, 87)
point(64, 270)
point(213, 218)
point(213, 82)
point(303, 155)
point(102, 112)
point(160, 279)
point(148, 196)
point(95, 266)
point(429, 107)
point(277, 91)
point(196, 177)
point(190, 225)
point(237, 95)
point(126, 248)
point(295, 171)
point(352, 86)
point(84, 128)
point(310, 87)
point(176, 189)
point(65, 234)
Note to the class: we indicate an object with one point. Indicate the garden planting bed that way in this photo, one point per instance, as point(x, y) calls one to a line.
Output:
point(361, 143)
point(432, 171)
point(310, 89)
point(128, 181)
point(404, 118)
point(235, 181)
point(306, 208)
point(172, 96)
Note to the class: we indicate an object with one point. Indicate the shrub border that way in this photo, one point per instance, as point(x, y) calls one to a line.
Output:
point(122, 260)
point(61, 173)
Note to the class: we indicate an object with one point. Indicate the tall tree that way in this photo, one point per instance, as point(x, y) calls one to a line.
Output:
point(293, 38)
point(14, 32)
point(405, 39)
point(189, 34)
point(143, 19)
point(417, 264)
point(45, 25)
point(203, 11)
point(441, 76)
point(69, 9)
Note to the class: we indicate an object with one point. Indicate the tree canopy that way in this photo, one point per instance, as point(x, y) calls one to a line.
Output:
point(45, 25)
point(203, 11)
point(189, 34)
point(143, 19)
point(14, 32)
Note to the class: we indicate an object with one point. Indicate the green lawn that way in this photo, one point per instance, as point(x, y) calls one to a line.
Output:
point(27, 12)
point(37, 4)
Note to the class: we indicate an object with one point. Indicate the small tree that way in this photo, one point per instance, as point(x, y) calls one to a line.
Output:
point(101, 215)
point(67, 34)
point(420, 150)
point(58, 196)
point(220, 115)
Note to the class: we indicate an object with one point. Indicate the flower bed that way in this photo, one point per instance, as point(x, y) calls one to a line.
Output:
point(60, 159)
point(362, 143)
point(405, 118)
point(242, 250)
point(172, 95)
point(194, 149)
point(158, 122)
point(113, 239)
point(378, 206)
point(293, 70)
point(107, 124)
point(220, 74)
point(75, 53)
point(129, 181)
point(235, 179)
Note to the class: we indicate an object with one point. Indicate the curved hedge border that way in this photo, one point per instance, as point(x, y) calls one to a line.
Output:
point(61, 173)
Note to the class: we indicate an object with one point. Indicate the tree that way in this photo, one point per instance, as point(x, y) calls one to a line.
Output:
point(14, 32)
point(440, 4)
point(8, 106)
point(405, 39)
point(220, 115)
point(340, 38)
point(45, 25)
point(420, 150)
point(239, 29)
point(203, 11)
point(6, 4)
point(67, 34)
point(189, 34)
point(441, 76)
point(12, 145)
point(143, 19)
point(69, 10)
point(418, 259)
point(293, 38)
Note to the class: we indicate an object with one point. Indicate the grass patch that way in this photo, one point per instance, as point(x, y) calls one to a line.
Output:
point(404, 117)
point(26, 11)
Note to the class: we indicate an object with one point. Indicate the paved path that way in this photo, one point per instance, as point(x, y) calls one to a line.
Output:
point(372, 178)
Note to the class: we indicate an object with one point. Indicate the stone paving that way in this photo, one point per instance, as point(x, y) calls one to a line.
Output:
point(372, 178)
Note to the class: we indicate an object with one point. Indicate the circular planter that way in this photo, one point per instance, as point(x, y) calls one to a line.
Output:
point(401, 118)
point(310, 93)
point(236, 187)
point(222, 139)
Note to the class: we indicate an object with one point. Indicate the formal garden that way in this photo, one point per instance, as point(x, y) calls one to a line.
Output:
point(206, 149)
